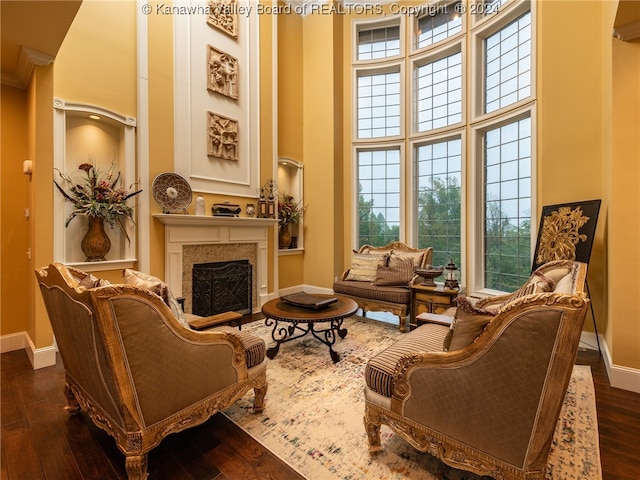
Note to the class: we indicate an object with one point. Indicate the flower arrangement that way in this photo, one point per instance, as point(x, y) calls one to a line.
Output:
point(98, 195)
point(289, 211)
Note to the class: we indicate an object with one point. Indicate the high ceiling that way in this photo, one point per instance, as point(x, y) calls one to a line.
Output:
point(32, 32)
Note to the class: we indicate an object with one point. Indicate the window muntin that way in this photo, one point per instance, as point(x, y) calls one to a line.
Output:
point(438, 93)
point(378, 196)
point(478, 120)
point(507, 64)
point(378, 43)
point(379, 105)
point(440, 23)
point(438, 187)
point(507, 200)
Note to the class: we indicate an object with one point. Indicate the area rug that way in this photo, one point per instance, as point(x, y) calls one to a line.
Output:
point(314, 411)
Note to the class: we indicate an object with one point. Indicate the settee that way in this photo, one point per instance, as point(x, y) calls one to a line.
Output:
point(485, 395)
point(135, 369)
point(379, 278)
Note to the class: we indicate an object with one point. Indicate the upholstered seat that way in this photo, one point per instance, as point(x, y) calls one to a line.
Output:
point(136, 370)
point(488, 405)
point(384, 287)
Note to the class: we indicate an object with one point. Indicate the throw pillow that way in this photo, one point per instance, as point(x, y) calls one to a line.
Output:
point(416, 257)
point(157, 286)
point(399, 272)
point(91, 281)
point(364, 267)
point(469, 322)
point(539, 283)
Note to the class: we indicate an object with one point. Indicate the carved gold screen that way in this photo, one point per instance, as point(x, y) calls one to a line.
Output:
point(566, 232)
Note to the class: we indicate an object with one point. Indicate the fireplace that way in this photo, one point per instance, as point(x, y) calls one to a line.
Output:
point(219, 287)
point(193, 239)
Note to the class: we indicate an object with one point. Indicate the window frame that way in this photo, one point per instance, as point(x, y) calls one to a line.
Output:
point(474, 123)
point(475, 279)
point(372, 146)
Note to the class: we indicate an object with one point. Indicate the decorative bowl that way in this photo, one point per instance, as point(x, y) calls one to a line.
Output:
point(429, 273)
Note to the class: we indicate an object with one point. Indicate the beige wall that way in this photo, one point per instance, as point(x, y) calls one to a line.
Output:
point(623, 336)
point(290, 123)
point(16, 274)
point(570, 139)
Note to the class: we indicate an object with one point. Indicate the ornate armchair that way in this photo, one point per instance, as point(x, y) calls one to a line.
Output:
point(491, 406)
point(136, 370)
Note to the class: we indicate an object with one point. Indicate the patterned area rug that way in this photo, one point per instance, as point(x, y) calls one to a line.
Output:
point(314, 410)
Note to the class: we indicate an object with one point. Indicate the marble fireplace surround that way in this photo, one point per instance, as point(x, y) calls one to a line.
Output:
point(193, 239)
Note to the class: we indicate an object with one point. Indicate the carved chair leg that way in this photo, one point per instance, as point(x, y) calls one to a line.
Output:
point(373, 435)
point(136, 466)
point(258, 400)
point(72, 402)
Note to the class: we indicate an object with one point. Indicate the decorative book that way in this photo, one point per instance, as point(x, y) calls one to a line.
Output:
point(307, 300)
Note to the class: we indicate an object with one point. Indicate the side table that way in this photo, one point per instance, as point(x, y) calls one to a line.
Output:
point(430, 300)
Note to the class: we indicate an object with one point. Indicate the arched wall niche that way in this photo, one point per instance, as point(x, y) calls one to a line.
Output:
point(90, 134)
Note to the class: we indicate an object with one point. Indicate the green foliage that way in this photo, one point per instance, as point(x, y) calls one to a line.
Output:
point(373, 228)
point(507, 248)
point(439, 219)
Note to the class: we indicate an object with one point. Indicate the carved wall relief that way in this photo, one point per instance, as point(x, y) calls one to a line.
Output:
point(222, 74)
point(223, 14)
point(222, 139)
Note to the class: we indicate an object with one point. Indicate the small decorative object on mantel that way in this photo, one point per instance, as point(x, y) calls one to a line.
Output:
point(429, 274)
point(250, 210)
point(289, 211)
point(200, 206)
point(100, 197)
point(451, 277)
point(267, 199)
point(225, 209)
point(172, 192)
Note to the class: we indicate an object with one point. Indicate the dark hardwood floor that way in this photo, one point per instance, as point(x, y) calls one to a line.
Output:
point(41, 441)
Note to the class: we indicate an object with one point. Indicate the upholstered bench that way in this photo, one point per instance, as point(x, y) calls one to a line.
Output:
point(379, 278)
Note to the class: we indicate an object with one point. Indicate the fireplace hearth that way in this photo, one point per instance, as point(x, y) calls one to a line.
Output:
point(219, 287)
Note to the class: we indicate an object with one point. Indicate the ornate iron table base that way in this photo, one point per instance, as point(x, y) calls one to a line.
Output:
point(285, 333)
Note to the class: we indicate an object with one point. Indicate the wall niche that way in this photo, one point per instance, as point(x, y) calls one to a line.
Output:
point(90, 134)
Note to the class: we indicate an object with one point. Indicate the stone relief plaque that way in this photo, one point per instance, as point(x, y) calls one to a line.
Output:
point(223, 15)
point(222, 76)
point(222, 139)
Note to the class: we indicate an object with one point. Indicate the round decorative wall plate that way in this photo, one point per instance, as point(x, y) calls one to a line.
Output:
point(172, 192)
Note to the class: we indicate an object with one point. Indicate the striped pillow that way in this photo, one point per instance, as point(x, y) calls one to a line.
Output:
point(364, 267)
point(399, 272)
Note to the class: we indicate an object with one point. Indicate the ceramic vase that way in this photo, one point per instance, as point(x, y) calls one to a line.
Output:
point(284, 237)
point(95, 244)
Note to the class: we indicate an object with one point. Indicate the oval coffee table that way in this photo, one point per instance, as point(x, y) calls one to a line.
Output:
point(323, 323)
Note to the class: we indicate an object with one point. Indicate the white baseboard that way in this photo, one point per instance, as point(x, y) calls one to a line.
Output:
point(13, 341)
point(39, 357)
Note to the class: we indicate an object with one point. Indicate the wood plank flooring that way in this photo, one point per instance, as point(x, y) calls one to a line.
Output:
point(41, 441)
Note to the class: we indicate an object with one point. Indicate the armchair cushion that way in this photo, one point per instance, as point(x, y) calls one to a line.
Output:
point(364, 266)
point(398, 272)
point(469, 322)
point(157, 286)
point(379, 371)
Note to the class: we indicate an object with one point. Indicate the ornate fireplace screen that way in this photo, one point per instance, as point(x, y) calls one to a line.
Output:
point(222, 287)
point(566, 232)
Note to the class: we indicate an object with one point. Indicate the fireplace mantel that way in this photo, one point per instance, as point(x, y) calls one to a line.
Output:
point(181, 230)
point(203, 220)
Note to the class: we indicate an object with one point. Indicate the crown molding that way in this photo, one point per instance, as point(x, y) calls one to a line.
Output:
point(27, 60)
point(628, 31)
